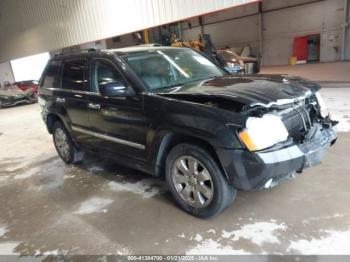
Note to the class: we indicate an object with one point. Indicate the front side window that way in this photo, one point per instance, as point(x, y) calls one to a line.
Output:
point(104, 72)
point(167, 68)
point(74, 75)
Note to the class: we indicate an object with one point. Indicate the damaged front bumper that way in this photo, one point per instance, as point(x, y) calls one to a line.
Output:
point(12, 101)
point(257, 170)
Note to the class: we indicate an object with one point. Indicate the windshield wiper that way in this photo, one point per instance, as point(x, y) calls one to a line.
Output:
point(185, 83)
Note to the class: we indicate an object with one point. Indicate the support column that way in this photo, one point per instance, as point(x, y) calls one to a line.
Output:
point(146, 36)
point(179, 27)
point(200, 21)
point(261, 33)
point(345, 51)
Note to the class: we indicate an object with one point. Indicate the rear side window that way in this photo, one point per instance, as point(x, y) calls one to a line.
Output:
point(51, 76)
point(74, 75)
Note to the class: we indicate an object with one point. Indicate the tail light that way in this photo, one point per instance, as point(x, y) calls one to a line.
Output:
point(22, 87)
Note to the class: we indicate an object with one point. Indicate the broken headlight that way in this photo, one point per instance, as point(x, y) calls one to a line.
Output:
point(321, 104)
point(263, 132)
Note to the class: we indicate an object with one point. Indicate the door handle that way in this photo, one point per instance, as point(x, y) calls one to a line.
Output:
point(60, 100)
point(94, 106)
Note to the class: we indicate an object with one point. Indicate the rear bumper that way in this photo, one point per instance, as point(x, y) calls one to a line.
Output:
point(257, 170)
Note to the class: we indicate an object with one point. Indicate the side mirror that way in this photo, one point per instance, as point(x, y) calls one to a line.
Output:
point(115, 88)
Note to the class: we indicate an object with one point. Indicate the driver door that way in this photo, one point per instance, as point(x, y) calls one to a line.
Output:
point(118, 123)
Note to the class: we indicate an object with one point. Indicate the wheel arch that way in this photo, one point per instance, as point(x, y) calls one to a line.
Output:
point(170, 140)
point(50, 120)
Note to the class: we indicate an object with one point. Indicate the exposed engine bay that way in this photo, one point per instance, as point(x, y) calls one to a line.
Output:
point(299, 116)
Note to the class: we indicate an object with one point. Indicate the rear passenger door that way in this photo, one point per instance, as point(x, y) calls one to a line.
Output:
point(73, 95)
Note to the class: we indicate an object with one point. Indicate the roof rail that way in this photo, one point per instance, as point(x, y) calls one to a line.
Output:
point(93, 49)
point(77, 51)
point(150, 45)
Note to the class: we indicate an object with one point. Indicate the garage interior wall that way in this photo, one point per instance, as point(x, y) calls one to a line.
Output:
point(36, 26)
point(347, 31)
point(227, 28)
point(281, 24)
point(6, 73)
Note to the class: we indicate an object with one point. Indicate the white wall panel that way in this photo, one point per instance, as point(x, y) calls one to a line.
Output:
point(276, 4)
point(282, 23)
point(235, 33)
point(244, 10)
point(32, 26)
point(228, 28)
point(324, 18)
point(6, 73)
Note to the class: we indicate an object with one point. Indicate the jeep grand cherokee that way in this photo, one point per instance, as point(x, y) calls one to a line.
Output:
point(172, 113)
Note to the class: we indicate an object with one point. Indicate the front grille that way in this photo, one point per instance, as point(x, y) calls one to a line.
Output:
point(295, 122)
point(299, 119)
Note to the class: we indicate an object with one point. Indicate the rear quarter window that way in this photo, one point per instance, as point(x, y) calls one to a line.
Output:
point(50, 78)
point(74, 75)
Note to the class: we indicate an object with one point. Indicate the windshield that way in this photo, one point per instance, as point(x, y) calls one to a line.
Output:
point(166, 68)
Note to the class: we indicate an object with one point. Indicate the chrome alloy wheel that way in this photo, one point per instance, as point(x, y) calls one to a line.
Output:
point(192, 181)
point(61, 142)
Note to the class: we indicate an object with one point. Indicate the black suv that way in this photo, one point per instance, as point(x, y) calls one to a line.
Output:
point(173, 113)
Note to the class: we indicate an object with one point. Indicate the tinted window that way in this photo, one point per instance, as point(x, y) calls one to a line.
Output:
point(51, 75)
point(171, 67)
point(73, 76)
point(104, 72)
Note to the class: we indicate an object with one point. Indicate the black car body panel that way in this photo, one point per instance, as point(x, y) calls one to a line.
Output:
point(252, 171)
point(139, 130)
point(249, 90)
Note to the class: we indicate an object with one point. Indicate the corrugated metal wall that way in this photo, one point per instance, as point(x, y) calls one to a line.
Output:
point(32, 26)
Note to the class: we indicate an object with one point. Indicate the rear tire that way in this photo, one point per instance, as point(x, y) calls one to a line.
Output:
point(64, 145)
point(196, 181)
point(35, 98)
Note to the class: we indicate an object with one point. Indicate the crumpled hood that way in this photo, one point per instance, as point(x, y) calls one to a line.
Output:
point(262, 90)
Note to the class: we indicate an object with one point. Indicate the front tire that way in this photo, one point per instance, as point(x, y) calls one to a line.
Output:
point(196, 181)
point(64, 144)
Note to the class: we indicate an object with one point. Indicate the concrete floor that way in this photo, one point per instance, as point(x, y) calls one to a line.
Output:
point(98, 208)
